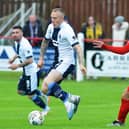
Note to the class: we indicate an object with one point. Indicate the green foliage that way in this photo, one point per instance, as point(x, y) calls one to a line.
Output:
point(99, 105)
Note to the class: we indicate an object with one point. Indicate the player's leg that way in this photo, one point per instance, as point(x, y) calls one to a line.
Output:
point(21, 87)
point(52, 88)
point(28, 86)
point(66, 69)
point(38, 96)
point(124, 108)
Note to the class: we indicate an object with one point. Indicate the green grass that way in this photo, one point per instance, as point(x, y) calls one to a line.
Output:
point(99, 105)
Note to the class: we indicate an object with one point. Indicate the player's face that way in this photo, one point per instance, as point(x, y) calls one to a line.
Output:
point(17, 34)
point(91, 21)
point(56, 18)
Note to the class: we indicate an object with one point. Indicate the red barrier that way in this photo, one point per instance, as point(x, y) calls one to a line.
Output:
point(104, 40)
point(10, 37)
point(86, 40)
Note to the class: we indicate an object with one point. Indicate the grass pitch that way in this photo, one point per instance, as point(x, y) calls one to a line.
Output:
point(99, 105)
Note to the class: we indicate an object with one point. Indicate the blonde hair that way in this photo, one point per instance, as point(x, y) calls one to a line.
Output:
point(60, 10)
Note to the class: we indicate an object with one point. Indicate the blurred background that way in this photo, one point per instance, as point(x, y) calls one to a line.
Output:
point(77, 11)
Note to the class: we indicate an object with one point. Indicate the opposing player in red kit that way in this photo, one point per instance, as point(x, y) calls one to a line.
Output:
point(124, 107)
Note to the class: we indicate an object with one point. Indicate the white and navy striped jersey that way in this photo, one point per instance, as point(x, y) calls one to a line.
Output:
point(66, 39)
point(24, 51)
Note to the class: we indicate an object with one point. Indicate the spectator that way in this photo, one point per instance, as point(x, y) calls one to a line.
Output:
point(119, 32)
point(91, 30)
point(33, 29)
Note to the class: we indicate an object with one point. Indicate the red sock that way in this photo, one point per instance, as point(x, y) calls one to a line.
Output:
point(123, 111)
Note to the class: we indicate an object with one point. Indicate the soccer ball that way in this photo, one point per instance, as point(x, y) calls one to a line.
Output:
point(35, 118)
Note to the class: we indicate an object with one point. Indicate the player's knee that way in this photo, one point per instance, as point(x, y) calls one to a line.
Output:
point(44, 87)
point(20, 92)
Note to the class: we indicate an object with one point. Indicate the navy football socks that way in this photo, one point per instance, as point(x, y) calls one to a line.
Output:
point(55, 90)
point(38, 101)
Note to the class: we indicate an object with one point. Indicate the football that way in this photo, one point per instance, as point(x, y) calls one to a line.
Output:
point(35, 118)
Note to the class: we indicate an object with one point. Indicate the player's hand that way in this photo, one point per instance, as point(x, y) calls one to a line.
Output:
point(13, 66)
point(98, 44)
point(40, 63)
point(83, 69)
point(10, 61)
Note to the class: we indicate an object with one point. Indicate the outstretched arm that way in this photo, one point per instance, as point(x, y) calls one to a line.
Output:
point(115, 49)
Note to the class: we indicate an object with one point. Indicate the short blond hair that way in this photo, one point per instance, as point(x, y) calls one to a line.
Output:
point(60, 10)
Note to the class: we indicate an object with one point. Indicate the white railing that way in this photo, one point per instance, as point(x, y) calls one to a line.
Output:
point(20, 21)
point(9, 21)
point(12, 18)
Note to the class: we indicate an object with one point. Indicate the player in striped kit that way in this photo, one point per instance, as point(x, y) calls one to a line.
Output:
point(29, 80)
point(66, 42)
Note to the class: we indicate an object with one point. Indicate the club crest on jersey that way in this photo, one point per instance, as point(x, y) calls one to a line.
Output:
point(28, 51)
point(73, 37)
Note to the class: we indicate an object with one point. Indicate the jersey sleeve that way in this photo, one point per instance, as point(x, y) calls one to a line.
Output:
point(118, 50)
point(49, 31)
point(71, 37)
point(28, 52)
